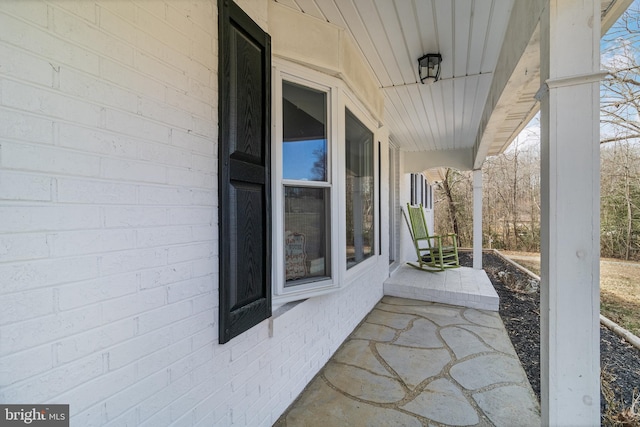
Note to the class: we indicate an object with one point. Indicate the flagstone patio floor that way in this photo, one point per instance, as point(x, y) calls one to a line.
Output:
point(417, 363)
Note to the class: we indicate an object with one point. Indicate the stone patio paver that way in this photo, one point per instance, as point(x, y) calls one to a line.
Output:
point(369, 331)
point(438, 400)
point(323, 406)
point(392, 320)
point(415, 363)
point(362, 384)
point(485, 370)
point(462, 342)
point(493, 337)
point(359, 350)
point(520, 407)
point(422, 334)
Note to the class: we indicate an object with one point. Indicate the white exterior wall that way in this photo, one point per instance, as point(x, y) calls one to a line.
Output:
point(108, 226)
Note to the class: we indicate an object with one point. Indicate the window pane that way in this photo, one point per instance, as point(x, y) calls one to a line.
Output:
point(360, 190)
point(306, 235)
point(304, 139)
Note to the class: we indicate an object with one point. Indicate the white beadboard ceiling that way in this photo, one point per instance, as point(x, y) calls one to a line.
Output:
point(393, 34)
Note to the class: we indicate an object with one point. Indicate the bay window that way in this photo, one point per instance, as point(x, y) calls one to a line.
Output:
point(324, 191)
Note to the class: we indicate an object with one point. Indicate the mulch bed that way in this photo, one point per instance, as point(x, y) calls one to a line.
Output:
point(520, 313)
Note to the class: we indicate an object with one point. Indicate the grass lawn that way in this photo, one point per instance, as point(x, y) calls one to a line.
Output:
point(619, 288)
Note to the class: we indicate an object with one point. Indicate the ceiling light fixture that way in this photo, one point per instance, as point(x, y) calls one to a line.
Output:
point(429, 67)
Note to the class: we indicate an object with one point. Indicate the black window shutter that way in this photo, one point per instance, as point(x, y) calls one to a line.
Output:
point(244, 76)
point(425, 194)
point(413, 189)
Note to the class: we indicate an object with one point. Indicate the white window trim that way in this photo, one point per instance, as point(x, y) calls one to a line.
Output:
point(339, 98)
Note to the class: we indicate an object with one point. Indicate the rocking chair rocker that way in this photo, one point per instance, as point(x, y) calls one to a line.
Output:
point(435, 252)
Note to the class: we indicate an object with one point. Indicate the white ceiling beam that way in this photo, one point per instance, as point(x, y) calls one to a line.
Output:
point(417, 162)
point(525, 17)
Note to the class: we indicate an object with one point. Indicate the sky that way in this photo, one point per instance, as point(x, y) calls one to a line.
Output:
point(298, 158)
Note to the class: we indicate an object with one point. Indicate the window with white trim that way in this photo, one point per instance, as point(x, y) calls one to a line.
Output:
point(306, 185)
point(324, 190)
point(360, 191)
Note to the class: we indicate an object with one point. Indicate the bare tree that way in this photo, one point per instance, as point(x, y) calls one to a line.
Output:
point(511, 194)
point(453, 206)
point(620, 92)
point(447, 185)
point(620, 154)
point(620, 187)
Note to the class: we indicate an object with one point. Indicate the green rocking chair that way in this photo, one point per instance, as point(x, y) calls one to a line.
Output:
point(435, 252)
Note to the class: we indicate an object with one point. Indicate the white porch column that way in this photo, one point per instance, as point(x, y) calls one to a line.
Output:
point(570, 174)
point(477, 219)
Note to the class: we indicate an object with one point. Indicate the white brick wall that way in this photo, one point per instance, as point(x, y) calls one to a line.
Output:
point(108, 226)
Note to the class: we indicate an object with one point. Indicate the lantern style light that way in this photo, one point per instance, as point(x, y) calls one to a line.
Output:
point(429, 67)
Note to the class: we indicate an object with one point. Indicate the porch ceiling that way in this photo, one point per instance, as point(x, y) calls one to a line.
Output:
point(445, 115)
